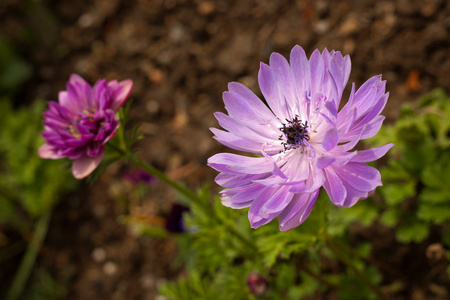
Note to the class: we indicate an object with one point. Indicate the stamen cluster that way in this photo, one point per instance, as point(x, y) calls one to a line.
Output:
point(295, 133)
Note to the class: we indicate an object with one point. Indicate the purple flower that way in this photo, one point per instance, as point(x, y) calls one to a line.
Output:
point(302, 139)
point(140, 176)
point(82, 122)
point(174, 221)
point(257, 284)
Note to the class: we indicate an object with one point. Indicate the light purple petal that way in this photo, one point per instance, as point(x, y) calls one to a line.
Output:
point(272, 93)
point(276, 203)
point(244, 111)
point(235, 127)
point(297, 211)
point(46, 151)
point(324, 161)
point(372, 154)
point(330, 139)
point(240, 164)
point(334, 187)
point(120, 92)
point(235, 142)
point(84, 165)
point(283, 76)
point(360, 176)
point(254, 217)
point(316, 67)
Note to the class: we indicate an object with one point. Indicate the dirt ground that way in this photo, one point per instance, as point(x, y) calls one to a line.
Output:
point(181, 54)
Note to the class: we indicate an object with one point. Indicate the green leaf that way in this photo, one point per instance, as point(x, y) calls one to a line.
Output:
point(23, 171)
point(396, 193)
point(436, 214)
point(414, 231)
point(341, 218)
point(390, 217)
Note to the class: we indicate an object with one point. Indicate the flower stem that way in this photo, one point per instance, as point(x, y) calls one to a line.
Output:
point(317, 277)
point(162, 177)
point(29, 258)
point(345, 258)
point(193, 198)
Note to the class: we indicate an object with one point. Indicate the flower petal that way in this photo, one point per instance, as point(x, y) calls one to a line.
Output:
point(120, 92)
point(272, 93)
point(47, 151)
point(372, 154)
point(330, 139)
point(297, 211)
point(84, 165)
point(334, 187)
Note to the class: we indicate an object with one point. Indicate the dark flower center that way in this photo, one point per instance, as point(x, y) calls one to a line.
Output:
point(295, 132)
point(86, 122)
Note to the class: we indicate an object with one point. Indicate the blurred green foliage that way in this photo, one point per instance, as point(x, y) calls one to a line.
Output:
point(26, 180)
point(416, 190)
point(14, 71)
point(29, 189)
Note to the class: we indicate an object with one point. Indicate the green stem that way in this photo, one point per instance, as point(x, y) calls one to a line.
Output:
point(193, 198)
point(382, 265)
point(29, 258)
point(317, 277)
point(345, 258)
point(162, 177)
point(125, 152)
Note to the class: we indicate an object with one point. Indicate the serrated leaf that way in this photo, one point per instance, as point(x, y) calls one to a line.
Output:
point(390, 217)
point(395, 193)
point(412, 232)
point(436, 214)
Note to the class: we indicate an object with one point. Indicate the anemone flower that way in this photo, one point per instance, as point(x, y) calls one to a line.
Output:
point(301, 140)
point(82, 122)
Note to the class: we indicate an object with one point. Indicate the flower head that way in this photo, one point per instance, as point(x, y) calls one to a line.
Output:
point(140, 176)
point(82, 122)
point(302, 140)
point(257, 284)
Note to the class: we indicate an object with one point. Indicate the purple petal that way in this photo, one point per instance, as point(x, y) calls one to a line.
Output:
point(231, 180)
point(276, 203)
point(324, 161)
point(300, 67)
point(316, 67)
point(120, 92)
point(238, 143)
point(254, 217)
point(244, 95)
point(334, 187)
point(372, 154)
point(47, 151)
point(330, 139)
point(249, 114)
point(234, 126)
point(297, 211)
point(283, 76)
point(240, 164)
point(84, 165)
point(360, 176)
point(272, 93)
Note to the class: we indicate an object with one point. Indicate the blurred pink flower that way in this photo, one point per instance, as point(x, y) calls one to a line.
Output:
point(82, 122)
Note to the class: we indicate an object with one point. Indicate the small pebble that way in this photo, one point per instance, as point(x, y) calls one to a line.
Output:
point(98, 255)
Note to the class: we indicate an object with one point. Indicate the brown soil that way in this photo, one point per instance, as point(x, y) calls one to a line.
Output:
point(181, 54)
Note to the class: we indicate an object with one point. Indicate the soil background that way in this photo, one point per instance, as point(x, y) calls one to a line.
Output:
point(180, 55)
